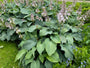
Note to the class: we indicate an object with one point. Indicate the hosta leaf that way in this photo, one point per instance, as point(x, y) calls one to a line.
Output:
point(25, 11)
point(44, 32)
point(41, 58)
point(74, 29)
point(30, 53)
point(18, 21)
point(40, 47)
point(77, 37)
point(63, 39)
point(54, 58)
point(29, 61)
point(35, 64)
point(56, 38)
point(65, 28)
point(50, 47)
point(61, 56)
point(10, 32)
point(28, 44)
point(20, 54)
point(3, 36)
point(48, 64)
point(69, 39)
point(66, 49)
point(33, 28)
point(15, 10)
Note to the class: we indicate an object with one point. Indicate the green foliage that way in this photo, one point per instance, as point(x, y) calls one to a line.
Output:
point(85, 6)
point(44, 41)
point(86, 32)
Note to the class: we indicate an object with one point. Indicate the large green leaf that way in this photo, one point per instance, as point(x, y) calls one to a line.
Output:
point(50, 47)
point(44, 32)
point(54, 58)
point(35, 64)
point(68, 51)
point(55, 38)
point(18, 21)
point(30, 53)
point(20, 54)
point(28, 44)
point(48, 64)
point(15, 10)
point(33, 28)
point(3, 36)
point(77, 37)
point(63, 39)
point(40, 47)
point(69, 39)
point(41, 58)
point(25, 11)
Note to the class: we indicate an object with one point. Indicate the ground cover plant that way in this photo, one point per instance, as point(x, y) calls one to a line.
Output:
point(8, 51)
point(46, 31)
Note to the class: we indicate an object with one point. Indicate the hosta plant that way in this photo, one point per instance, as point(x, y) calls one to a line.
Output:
point(47, 31)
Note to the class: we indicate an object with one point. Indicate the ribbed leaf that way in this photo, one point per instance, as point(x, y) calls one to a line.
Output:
point(55, 38)
point(54, 58)
point(35, 64)
point(20, 54)
point(30, 53)
point(28, 44)
point(48, 64)
point(68, 52)
point(50, 47)
point(40, 47)
point(44, 32)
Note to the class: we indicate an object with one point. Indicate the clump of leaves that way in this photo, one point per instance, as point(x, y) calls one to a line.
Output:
point(46, 33)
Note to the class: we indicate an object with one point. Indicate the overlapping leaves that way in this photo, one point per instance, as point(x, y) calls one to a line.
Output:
point(43, 39)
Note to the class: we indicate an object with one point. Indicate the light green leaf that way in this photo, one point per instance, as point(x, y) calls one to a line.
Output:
point(69, 38)
point(15, 10)
point(50, 47)
point(41, 58)
point(20, 54)
point(18, 21)
point(40, 47)
point(25, 11)
point(3, 36)
point(30, 53)
point(33, 28)
point(74, 29)
point(44, 32)
point(63, 39)
point(29, 61)
point(35, 64)
point(54, 58)
point(48, 64)
point(77, 37)
point(56, 38)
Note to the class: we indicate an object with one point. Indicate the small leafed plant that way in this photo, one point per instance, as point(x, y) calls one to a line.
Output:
point(47, 31)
